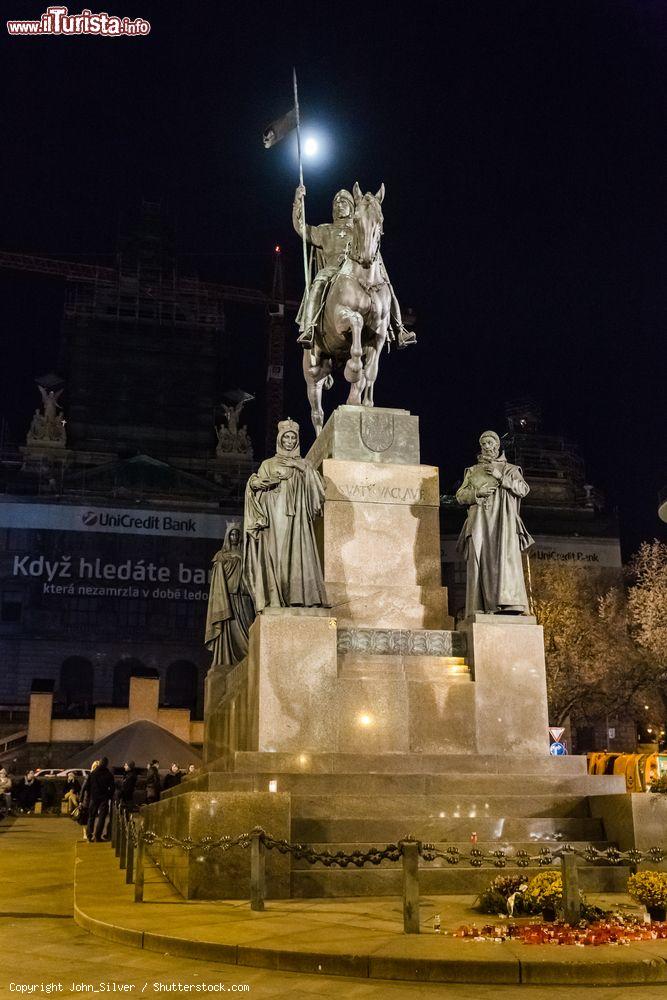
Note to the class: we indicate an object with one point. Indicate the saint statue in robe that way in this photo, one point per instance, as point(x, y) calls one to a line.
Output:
point(282, 500)
point(230, 610)
point(494, 536)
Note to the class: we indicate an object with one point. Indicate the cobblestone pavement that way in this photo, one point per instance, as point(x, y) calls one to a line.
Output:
point(44, 951)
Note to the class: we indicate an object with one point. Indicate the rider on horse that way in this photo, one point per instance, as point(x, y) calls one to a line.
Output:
point(332, 244)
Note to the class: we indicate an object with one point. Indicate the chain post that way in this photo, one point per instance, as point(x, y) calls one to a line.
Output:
point(571, 898)
point(257, 870)
point(122, 838)
point(410, 858)
point(129, 853)
point(113, 819)
point(139, 863)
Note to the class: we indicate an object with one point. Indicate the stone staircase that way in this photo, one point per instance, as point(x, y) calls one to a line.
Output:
point(355, 801)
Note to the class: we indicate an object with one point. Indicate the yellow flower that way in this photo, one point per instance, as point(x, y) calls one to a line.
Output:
point(649, 888)
point(545, 889)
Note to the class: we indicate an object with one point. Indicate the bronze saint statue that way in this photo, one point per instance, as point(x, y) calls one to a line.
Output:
point(350, 309)
point(48, 427)
point(494, 536)
point(282, 565)
point(230, 610)
point(231, 437)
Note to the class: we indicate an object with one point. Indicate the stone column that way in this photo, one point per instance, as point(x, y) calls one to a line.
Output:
point(144, 699)
point(39, 717)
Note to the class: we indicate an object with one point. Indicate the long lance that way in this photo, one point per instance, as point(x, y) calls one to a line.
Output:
point(306, 269)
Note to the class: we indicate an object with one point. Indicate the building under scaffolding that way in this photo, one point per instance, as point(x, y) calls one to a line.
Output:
point(106, 539)
point(143, 356)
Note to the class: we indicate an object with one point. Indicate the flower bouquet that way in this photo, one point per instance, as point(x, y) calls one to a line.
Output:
point(494, 899)
point(650, 888)
point(544, 894)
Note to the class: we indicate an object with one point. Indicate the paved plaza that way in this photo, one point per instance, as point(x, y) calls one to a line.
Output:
point(43, 945)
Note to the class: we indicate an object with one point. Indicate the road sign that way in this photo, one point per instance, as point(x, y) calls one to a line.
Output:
point(558, 749)
point(556, 732)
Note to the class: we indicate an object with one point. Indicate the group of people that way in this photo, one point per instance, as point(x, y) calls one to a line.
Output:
point(89, 802)
point(19, 794)
point(100, 788)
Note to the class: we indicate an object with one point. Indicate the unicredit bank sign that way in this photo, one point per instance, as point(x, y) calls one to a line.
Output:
point(61, 517)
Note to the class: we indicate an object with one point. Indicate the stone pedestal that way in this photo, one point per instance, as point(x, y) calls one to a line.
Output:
point(358, 434)
point(282, 696)
point(291, 682)
point(367, 715)
point(507, 653)
point(380, 533)
point(217, 814)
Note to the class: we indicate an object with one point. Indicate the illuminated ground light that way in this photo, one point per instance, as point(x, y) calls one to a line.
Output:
point(365, 720)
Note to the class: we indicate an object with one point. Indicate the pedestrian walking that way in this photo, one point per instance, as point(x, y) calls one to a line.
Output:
point(153, 782)
point(102, 787)
point(128, 784)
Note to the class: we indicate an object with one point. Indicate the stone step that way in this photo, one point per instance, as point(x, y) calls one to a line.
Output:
point(452, 669)
point(418, 784)
point(464, 848)
point(538, 830)
point(415, 808)
point(258, 762)
point(321, 882)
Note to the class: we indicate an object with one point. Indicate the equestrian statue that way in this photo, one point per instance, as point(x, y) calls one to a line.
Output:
point(350, 308)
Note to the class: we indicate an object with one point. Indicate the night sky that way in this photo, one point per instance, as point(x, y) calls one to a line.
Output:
point(522, 146)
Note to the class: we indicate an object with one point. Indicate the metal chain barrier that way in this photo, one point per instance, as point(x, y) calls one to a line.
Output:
point(393, 852)
point(130, 838)
point(545, 856)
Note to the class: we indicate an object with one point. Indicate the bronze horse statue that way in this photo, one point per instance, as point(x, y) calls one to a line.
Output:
point(356, 314)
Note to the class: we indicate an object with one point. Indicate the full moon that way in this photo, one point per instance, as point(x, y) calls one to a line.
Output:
point(310, 146)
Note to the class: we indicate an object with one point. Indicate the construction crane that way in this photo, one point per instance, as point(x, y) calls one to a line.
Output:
point(168, 291)
point(72, 271)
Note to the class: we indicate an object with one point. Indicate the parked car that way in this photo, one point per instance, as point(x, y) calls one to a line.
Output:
point(78, 772)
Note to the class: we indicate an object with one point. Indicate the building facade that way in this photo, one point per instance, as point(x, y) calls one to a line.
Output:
point(90, 594)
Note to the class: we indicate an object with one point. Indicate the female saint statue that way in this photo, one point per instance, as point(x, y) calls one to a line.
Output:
point(230, 610)
point(282, 565)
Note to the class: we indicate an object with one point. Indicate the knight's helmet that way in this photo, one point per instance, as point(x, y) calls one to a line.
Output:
point(283, 427)
point(343, 193)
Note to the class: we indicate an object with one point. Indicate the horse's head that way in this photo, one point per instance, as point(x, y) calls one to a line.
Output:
point(367, 230)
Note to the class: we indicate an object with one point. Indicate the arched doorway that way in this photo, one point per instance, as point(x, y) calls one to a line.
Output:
point(76, 685)
point(181, 685)
point(128, 667)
